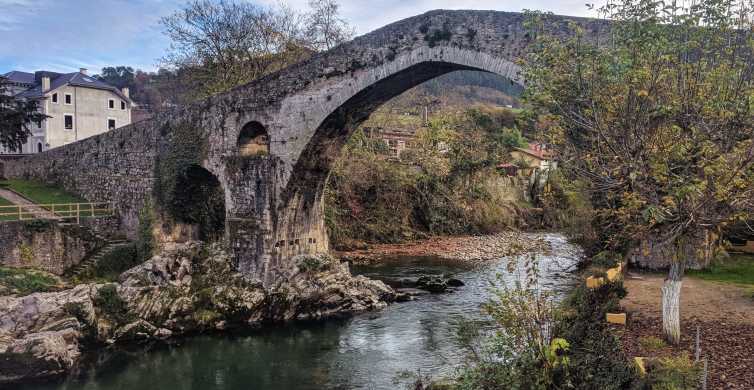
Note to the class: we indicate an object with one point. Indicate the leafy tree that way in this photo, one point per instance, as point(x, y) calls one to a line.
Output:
point(15, 117)
point(656, 116)
point(118, 76)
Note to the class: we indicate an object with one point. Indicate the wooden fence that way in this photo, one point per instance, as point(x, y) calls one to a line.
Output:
point(61, 211)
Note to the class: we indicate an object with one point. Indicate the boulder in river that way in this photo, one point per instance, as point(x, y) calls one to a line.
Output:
point(453, 282)
point(433, 284)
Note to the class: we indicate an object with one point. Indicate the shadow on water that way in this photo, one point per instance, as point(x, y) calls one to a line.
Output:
point(363, 352)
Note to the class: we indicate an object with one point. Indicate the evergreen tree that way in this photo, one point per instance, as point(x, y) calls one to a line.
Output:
point(15, 117)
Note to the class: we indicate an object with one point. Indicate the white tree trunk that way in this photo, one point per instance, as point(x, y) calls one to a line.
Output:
point(671, 298)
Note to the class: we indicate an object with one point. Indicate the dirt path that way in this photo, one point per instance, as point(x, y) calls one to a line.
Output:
point(17, 199)
point(724, 314)
point(700, 299)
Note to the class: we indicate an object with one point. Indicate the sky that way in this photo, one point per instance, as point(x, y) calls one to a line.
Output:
point(65, 35)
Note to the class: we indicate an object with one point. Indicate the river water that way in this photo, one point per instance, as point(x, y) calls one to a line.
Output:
point(367, 351)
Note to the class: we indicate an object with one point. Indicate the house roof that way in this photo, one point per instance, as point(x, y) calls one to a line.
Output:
point(537, 150)
point(57, 80)
point(16, 76)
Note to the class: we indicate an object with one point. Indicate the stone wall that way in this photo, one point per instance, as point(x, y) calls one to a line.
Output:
point(45, 245)
point(116, 167)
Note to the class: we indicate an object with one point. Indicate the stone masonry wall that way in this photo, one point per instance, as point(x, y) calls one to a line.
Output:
point(45, 245)
point(116, 167)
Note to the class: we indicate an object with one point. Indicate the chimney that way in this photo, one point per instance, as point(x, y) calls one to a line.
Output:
point(45, 83)
point(125, 92)
point(83, 71)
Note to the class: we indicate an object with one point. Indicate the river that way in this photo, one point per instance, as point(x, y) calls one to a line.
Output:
point(367, 351)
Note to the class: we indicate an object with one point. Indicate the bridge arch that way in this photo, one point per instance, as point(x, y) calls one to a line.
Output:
point(375, 87)
point(253, 140)
point(303, 197)
point(199, 203)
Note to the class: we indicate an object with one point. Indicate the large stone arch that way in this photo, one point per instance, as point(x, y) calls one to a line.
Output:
point(302, 207)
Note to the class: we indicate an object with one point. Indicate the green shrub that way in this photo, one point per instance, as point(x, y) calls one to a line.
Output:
point(522, 353)
point(112, 306)
point(313, 263)
point(673, 373)
point(145, 241)
point(117, 261)
point(26, 281)
point(38, 225)
point(606, 259)
point(651, 343)
point(597, 359)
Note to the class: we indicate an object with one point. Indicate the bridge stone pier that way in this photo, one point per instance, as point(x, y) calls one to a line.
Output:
point(270, 144)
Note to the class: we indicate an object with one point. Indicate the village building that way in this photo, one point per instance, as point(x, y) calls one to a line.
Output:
point(78, 106)
point(535, 156)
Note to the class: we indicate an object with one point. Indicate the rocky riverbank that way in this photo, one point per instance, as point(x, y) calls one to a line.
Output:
point(187, 288)
point(464, 250)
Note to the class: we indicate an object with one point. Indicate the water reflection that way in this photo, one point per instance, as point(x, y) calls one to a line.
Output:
point(365, 352)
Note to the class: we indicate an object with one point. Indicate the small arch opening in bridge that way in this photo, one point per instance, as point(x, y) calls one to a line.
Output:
point(253, 140)
point(201, 199)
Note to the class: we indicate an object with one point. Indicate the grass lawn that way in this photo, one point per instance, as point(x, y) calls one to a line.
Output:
point(4, 202)
point(40, 193)
point(738, 269)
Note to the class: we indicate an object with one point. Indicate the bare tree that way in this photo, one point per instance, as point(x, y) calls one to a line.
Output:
point(325, 28)
point(226, 43)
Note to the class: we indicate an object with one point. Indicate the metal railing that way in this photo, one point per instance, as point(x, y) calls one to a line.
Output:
point(71, 211)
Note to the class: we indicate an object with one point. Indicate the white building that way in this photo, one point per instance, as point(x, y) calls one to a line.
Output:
point(78, 106)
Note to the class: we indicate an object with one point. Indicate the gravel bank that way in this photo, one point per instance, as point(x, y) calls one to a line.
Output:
point(464, 250)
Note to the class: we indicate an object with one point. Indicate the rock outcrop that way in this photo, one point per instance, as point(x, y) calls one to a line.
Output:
point(186, 288)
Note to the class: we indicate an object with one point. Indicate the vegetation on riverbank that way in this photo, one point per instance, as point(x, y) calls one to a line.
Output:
point(445, 184)
point(21, 281)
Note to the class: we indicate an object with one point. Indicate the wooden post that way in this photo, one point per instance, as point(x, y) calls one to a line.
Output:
point(78, 213)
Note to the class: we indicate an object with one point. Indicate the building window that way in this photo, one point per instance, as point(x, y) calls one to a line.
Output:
point(111, 124)
point(68, 122)
point(68, 98)
point(55, 98)
point(122, 105)
point(39, 147)
point(39, 124)
point(110, 104)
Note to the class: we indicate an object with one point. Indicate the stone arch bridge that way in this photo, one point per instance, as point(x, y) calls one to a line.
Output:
point(270, 143)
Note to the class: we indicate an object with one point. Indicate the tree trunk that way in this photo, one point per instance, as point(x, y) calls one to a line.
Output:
point(671, 297)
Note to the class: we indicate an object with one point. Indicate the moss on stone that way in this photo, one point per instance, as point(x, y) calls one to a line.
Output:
point(437, 36)
point(145, 241)
point(111, 305)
